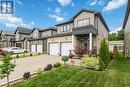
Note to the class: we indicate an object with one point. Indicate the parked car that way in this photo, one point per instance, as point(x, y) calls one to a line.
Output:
point(15, 50)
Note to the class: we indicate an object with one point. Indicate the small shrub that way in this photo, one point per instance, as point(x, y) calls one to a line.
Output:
point(17, 56)
point(31, 54)
point(48, 67)
point(90, 63)
point(65, 58)
point(39, 53)
point(80, 50)
point(26, 75)
point(39, 71)
point(57, 65)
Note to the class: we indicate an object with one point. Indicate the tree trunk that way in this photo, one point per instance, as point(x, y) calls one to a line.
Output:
point(7, 80)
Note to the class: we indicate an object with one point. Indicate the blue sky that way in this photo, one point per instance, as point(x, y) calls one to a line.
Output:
point(46, 13)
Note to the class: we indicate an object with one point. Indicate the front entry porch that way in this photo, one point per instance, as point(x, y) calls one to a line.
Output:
point(85, 36)
point(85, 41)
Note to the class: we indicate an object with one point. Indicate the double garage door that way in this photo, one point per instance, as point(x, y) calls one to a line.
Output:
point(36, 48)
point(62, 49)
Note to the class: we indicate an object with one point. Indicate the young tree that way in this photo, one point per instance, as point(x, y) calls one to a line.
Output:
point(65, 59)
point(6, 67)
point(104, 54)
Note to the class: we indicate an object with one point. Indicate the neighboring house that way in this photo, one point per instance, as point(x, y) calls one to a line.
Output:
point(119, 44)
point(6, 38)
point(38, 40)
point(86, 27)
point(126, 26)
point(21, 35)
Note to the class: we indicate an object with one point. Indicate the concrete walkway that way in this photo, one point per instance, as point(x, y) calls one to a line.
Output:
point(31, 64)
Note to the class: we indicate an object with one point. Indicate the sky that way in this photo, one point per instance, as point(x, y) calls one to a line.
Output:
point(47, 13)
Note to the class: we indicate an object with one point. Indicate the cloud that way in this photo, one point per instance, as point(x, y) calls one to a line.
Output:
point(64, 2)
point(116, 29)
point(114, 4)
point(72, 4)
point(19, 2)
point(57, 18)
point(94, 2)
point(13, 21)
point(57, 10)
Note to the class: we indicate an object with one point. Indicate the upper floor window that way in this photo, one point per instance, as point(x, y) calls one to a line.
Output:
point(83, 22)
point(65, 28)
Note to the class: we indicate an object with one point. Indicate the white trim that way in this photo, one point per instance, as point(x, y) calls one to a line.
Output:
point(90, 41)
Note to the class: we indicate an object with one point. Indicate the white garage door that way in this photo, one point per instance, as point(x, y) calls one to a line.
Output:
point(53, 49)
point(39, 48)
point(65, 47)
point(33, 48)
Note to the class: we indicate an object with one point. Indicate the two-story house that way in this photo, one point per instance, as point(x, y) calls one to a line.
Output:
point(6, 38)
point(126, 27)
point(86, 28)
point(21, 35)
point(38, 40)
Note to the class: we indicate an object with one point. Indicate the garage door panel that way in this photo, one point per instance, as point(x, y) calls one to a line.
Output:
point(65, 47)
point(33, 48)
point(39, 48)
point(53, 48)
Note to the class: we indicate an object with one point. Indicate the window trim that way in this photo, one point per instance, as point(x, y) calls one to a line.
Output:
point(65, 28)
point(82, 20)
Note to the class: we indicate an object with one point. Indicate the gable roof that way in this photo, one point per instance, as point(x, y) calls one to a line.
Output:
point(91, 11)
point(49, 28)
point(45, 29)
point(127, 14)
point(23, 30)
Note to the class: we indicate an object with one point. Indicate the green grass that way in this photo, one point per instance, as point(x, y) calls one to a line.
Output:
point(118, 75)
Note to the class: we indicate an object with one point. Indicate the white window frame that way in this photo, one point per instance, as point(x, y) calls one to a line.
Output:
point(83, 22)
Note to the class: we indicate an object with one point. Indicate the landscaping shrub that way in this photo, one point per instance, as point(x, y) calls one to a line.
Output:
point(48, 67)
point(80, 50)
point(39, 71)
point(17, 56)
point(65, 58)
point(39, 53)
point(102, 65)
point(90, 63)
point(104, 55)
point(31, 54)
point(57, 65)
point(26, 75)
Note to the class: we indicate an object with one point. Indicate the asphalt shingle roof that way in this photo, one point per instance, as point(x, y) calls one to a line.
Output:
point(23, 30)
point(6, 32)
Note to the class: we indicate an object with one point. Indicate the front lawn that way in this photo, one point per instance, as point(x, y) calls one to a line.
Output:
point(118, 75)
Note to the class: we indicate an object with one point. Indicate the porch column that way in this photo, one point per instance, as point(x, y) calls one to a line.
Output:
point(73, 42)
point(90, 42)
